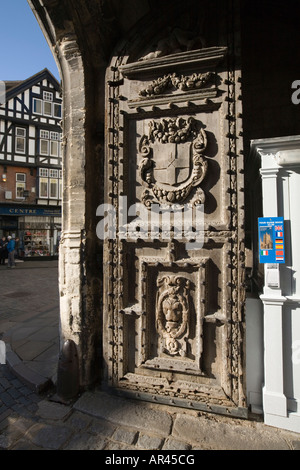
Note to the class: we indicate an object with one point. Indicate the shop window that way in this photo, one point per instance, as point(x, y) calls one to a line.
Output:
point(20, 185)
point(36, 243)
point(20, 140)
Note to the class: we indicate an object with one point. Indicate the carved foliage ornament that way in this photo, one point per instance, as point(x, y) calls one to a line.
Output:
point(180, 82)
point(172, 313)
point(172, 161)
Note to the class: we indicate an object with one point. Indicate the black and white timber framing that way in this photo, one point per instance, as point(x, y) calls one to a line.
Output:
point(30, 131)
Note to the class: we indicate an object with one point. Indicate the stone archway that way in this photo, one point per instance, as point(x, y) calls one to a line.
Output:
point(74, 282)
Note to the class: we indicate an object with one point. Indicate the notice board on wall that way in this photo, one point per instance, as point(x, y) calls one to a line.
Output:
point(271, 240)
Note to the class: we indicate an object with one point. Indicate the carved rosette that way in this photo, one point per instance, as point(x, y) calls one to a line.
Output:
point(172, 161)
point(172, 314)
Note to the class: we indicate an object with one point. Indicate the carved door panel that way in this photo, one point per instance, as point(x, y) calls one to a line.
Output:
point(173, 243)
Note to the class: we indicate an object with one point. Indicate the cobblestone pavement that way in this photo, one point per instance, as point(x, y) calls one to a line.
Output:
point(32, 419)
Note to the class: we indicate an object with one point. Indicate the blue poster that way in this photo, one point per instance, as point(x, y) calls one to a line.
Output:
point(271, 240)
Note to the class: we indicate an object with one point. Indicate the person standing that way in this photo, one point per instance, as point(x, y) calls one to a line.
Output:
point(11, 252)
point(3, 250)
point(17, 247)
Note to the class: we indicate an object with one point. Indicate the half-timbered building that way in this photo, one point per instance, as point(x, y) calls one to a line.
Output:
point(30, 163)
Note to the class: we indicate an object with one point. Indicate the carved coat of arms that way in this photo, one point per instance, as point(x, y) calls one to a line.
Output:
point(172, 161)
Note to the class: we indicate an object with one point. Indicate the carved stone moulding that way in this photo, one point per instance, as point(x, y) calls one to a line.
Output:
point(201, 58)
point(173, 323)
point(177, 78)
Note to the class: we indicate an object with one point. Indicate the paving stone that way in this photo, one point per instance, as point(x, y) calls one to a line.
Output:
point(127, 436)
point(9, 437)
point(4, 413)
point(32, 349)
point(51, 410)
point(79, 421)
point(14, 393)
point(4, 383)
point(175, 444)
point(23, 444)
point(221, 434)
point(49, 436)
point(85, 441)
point(295, 444)
point(7, 399)
point(147, 442)
point(45, 333)
point(16, 383)
point(125, 412)
point(23, 424)
point(99, 426)
point(111, 445)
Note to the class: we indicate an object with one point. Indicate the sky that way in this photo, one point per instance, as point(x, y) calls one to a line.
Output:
point(24, 50)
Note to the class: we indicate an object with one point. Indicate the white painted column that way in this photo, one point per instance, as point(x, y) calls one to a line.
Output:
point(274, 400)
point(277, 296)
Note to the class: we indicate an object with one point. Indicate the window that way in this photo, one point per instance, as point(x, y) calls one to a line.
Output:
point(21, 177)
point(53, 173)
point(43, 188)
point(43, 172)
point(47, 108)
point(54, 135)
point(60, 188)
point(57, 110)
point(20, 185)
point(53, 188)
point(49, 183)
point(47, 96)
point(20, 140)
point(44, 150)
point(49, 146)
point(44, 134)
point(54, 149)
point(37, 106)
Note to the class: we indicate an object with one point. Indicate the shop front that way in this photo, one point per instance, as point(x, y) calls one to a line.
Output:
point(36, 230)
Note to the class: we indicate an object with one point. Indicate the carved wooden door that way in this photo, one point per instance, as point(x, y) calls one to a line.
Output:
point(173, 294)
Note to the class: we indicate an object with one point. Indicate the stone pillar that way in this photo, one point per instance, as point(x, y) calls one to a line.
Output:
point(72, 247)
point(76, 285)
